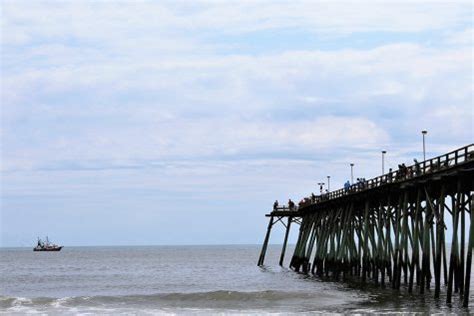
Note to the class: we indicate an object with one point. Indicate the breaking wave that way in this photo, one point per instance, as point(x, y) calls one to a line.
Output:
point(227, 300)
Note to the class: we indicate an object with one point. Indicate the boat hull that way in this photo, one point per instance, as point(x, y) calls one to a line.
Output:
point(48, 249)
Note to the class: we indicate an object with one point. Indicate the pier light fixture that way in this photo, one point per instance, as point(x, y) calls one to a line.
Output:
point(383, 161)
point(352, 173)
point(424, 148)
point(329, 183)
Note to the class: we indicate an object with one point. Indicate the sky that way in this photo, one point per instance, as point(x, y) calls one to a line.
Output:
point(180, 122)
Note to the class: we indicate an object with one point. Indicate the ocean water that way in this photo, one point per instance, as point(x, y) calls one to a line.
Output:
point(197, 280)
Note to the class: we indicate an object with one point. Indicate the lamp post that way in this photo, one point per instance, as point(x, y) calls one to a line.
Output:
point(329, 183)
point(383, 161)
point(352, 173)
point(424, 148)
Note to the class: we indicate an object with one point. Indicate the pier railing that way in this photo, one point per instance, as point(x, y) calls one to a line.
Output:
point(429, 166)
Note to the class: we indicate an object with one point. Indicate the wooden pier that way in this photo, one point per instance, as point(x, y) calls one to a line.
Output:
point(412, 226)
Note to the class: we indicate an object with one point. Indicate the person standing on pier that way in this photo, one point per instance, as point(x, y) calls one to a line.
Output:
point(275, 205)
point(417, 168)
point(291, 205)
point(347, 185)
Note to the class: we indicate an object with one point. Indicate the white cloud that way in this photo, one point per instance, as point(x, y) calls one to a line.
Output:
point(214, 82)
point(190, 139)
point(128, 24)
point(464, 37)
point(212, 105)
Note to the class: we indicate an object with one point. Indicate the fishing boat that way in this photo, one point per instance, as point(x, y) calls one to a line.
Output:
point(46, 245)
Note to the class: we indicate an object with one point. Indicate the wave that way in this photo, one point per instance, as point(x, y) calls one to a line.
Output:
point(214, 299)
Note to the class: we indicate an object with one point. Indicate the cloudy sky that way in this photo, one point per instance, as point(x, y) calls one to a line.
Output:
point(180, 122)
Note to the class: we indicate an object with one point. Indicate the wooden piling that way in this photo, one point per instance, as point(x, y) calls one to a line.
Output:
point(285, 241)
point(265, 242)
point(465, 301)
point(454, 245)
point(463, 249)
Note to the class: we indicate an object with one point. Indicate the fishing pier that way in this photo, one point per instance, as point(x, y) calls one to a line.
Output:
point(413, 226)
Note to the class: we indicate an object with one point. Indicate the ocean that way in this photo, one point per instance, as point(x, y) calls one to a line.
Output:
point(196, 280)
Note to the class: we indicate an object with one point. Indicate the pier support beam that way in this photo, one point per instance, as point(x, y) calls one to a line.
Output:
point(265, 242)
point(453, 260)
point(282, 256)
point(465, 301)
